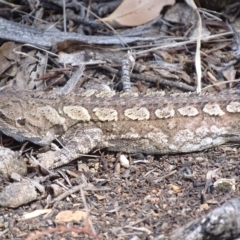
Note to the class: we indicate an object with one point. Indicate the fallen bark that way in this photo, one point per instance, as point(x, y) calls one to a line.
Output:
point(222, 223)
point(26, 34)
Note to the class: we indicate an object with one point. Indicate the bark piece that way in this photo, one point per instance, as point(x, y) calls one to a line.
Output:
point(221, 223)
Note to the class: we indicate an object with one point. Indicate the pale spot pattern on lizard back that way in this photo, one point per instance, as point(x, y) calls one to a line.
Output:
point(166, 112)
point(213, 109)
point(77, 113)
point(233, 107)
point(189, 111)
point(106, 114)
point(137, 113)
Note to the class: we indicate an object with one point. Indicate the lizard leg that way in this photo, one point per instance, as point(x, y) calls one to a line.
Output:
point(80, 142)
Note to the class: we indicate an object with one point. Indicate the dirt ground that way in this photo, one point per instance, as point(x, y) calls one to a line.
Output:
point(148, 200)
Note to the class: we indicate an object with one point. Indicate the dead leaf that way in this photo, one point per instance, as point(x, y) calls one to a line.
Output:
point(26, 66)
point(175, 188)
point(100, 197)
point(204, 206)
point(7, 56)
point(230, 73)
point(68, 216)
point(136, 12)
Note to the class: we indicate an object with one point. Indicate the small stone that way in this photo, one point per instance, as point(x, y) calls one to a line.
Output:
point(124, 161)
point(17, 194)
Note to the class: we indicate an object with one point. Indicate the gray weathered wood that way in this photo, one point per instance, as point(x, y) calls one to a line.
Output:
point(26, 34)
point(222, 223)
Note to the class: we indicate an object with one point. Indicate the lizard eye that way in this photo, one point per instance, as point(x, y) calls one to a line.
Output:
point(21, 121)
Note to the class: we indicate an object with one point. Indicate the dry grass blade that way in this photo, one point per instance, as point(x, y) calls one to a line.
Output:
point(192, 4)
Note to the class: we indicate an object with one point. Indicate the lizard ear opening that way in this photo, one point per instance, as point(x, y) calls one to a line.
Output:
point(21, 122)
point(57, 129)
